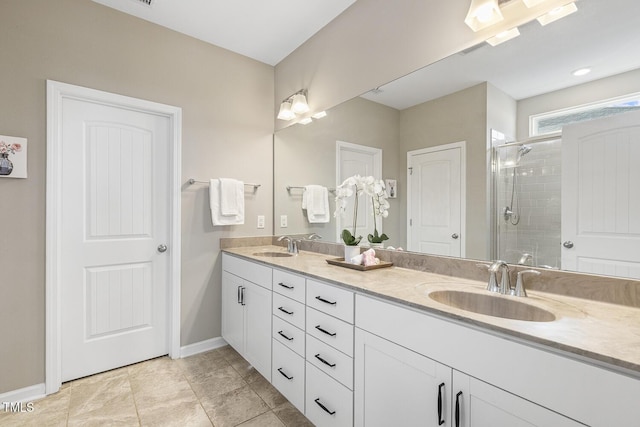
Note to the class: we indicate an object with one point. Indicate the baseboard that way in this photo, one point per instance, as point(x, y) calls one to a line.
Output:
point(26, 394)
point(202, 346)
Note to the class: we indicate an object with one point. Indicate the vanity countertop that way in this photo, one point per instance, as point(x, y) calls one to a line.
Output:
point(601, 333)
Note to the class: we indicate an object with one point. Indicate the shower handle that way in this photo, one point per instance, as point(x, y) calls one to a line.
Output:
point(568, 244)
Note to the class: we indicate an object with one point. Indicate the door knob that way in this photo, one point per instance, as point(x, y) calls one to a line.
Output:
point(454, 236)
point(162, 248)
point(568, 244)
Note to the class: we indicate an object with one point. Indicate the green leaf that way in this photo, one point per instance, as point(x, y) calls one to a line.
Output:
point(349, 239)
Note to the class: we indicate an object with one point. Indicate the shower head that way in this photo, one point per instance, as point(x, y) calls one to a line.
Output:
point(522, 150)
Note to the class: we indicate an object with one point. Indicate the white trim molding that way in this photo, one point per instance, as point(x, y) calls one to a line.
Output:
point(56, 93)
point(202, 346)
point(26, 394)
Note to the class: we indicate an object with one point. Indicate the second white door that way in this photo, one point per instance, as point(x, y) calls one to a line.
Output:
point(435, 203)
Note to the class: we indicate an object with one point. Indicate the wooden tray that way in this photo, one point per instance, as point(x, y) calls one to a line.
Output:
point(341, 263)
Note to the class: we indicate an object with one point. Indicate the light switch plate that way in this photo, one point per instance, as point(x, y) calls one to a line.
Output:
point(283, 221)
point(260, 221)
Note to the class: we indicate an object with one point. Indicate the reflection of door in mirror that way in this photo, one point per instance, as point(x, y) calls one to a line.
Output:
point(353, 159)
point(436, 203)
point(601, 196)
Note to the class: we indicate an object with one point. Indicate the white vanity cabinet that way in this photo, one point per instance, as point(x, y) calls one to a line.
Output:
point(503, 382)
point(246, 310)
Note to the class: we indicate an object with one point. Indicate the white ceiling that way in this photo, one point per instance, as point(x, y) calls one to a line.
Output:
point(265, 30)
point(603, 35)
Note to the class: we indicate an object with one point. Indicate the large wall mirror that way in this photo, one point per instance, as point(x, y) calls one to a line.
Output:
point(475, 108)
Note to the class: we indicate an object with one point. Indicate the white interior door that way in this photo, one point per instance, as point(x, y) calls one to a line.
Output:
point(353, 159)
point(435, 204)
point(601, 196)
point(115, 208)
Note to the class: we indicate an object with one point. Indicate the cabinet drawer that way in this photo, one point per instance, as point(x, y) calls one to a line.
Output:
point(289, 310)
point(248, 270)
point(288, 374)
point(328, 403)
point(331, 300)
point(330, 330)
point(288, 284)
point(288, 335)
point(330, 361)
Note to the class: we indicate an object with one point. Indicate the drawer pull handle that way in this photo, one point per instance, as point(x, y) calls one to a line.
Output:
point(324, 407)
point(440, 420)
point(331, 365)
point(285, 375)
point(458, 408)
point(285, 286)
point(319, 298)
point(331, 334)
point(282, 309)
point(284, 336)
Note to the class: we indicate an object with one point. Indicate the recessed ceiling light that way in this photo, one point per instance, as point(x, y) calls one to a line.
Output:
point(581, 72)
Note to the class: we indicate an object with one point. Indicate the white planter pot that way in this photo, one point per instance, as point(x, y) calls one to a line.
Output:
point(376, 245)
point(351, 252)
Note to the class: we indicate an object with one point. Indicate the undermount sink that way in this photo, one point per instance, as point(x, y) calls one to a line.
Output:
point(492, 305)
point(273, 254)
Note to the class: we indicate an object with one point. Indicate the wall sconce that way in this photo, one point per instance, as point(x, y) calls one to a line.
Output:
point(294, 104)
point(557, 13)
point(503, 36)
point(482, 14)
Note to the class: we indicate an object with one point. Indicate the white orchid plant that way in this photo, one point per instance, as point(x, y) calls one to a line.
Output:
point(371, 187)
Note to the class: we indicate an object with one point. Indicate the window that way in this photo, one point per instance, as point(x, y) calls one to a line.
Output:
point(546, 123)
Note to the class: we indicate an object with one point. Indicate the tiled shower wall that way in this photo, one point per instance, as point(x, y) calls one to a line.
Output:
point(538, 194)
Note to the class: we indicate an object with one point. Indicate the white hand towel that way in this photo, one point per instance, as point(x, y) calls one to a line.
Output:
point(231, 195)
point(214, 203)
point(316, 201)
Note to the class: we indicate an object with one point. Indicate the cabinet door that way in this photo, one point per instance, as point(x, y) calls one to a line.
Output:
point(232, 311)
point(257, 327)
point(393, 383)
point(482, 405)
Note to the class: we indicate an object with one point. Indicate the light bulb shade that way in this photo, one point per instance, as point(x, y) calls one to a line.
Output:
point(504, 36)
point(557, 13)
point(285, 112)
point(319, 115)
point(306, 121)
point(299, 104)
point(482, 14)
point(532, 3)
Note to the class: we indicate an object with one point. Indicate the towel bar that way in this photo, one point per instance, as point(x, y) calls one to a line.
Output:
point(193, 181)
point(291, 187)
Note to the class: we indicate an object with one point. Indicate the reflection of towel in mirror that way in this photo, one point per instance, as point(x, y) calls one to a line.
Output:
point(231, 196)
point(315, 200)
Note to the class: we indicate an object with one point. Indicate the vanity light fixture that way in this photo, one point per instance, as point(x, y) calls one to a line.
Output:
point(503, 36)
point(557, 13)
point(532, 3)
point(285, 112)
point(294, 104)
point(483, 13)
point(306, 121)
point(319, 115)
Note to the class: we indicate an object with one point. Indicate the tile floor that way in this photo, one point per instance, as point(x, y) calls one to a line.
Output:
point(216, 388)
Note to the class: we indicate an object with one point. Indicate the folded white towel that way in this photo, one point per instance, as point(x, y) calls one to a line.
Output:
point(231, 195)
point(315, 200)
point(215, 193)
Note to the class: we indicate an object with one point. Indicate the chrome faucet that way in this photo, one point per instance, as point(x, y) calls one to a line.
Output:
point(314, 236)
point(524, 258)
point(520, 291)
point(505, 282)
point(292, 244)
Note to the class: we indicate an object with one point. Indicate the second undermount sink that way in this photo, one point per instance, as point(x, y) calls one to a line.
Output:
point(492, 305)
point(273, 254)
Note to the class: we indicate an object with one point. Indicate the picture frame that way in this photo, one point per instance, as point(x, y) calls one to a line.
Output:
point(13, 157)
point(391, 186)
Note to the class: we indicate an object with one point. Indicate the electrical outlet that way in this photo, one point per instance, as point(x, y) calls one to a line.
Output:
point(260, 221)
point(283, 221)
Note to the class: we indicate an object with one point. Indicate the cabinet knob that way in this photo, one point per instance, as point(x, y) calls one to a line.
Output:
point(568, 244)
point(162, 248)
point(454, 236)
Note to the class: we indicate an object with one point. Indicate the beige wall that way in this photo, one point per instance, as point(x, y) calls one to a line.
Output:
point(461, 116)
point(83, 43)
point(307, 155)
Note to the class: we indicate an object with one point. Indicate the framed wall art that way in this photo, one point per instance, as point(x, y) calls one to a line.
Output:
point(13, 157)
